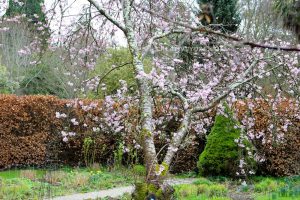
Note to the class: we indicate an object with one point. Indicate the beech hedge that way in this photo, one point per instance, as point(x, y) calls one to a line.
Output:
point(30, 134)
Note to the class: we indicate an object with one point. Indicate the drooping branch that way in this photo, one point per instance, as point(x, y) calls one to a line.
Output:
point(159, 36)
point(107, 16)
point(204, 29)
point(247, 43)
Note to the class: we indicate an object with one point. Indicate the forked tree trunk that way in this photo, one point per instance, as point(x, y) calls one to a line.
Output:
point(153, 187)
point(145, 98)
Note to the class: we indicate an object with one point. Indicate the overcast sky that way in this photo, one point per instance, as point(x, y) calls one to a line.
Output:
point(75, 8)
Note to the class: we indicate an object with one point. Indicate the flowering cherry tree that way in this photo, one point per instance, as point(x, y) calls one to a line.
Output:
point(223, 68)
point(229, 69)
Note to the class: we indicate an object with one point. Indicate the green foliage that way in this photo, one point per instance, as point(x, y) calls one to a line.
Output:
point(115, 58)
point(47, 78)
point(280, 188)
point(88, 151)
point(225, 13)
point(186, 190)
point(221, 152)
point(3, 80)
point(267, 185)
point(65, 181)
point(217, 190)
point(18, 190)
point(29, 8)
point(201, 191)
point(263, 188)
point(139, 170)
point(118, 155)
point(6, 86)
point(203, 181)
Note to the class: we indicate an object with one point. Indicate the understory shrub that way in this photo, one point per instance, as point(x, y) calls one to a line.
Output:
point(221, 152)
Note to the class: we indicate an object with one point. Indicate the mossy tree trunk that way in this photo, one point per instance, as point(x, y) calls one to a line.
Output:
point(145, 97)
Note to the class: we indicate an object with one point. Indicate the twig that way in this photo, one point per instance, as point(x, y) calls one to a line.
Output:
point(111, 70)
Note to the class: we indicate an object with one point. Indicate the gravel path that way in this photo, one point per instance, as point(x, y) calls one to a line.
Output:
point(116, 192)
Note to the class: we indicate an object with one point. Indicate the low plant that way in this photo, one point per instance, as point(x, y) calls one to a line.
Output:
point(267, 185)
point(80, 179)
point(16, 189)
point(221, 152)
point(95, 167)
point(202, 181)
point(186, 190)
point(217, 190)
point(118, 156)
point(55, 177)
point(88, 151)
point(139, 170)
point(201, 191)
point(29, 174)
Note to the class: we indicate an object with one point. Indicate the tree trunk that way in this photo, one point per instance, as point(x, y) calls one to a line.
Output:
point(145, 98)
point(177, 138)
point(153, 187)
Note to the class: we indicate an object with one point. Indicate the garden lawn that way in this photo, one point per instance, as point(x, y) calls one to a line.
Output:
point(257, 188)
point(39, 184)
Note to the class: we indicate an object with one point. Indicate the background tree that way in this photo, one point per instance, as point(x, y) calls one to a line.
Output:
point(290, 12)
point(225, 13)
point(33, 9)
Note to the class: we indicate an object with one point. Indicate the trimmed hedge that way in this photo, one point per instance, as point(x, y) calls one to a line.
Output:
point(280, 158)
point(25, 127)
point(30, 134)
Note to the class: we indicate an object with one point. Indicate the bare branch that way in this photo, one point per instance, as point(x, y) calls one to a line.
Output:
point(247, 43)
point(203, 29)
point(111, 70)
point(159, 36)
point(107, 16)
point(181, 97)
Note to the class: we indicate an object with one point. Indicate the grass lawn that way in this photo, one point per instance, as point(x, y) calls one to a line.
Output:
point(41, 183)
point(257, 188)
point(38, 184)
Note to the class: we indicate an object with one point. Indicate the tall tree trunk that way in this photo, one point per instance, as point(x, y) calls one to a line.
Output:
point(145, 98)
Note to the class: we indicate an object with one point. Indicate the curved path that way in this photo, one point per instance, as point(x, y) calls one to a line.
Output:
point(116, 192)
